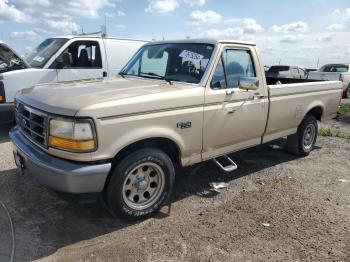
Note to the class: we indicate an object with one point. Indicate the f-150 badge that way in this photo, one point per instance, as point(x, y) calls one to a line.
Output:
point(183, 125)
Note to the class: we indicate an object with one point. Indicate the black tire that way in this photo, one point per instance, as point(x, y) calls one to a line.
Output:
point(121, 202)
point(347, 92)
point(298, 144)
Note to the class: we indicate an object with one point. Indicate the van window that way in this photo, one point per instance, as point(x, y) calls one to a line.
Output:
point(82, 54)
point(238, 63)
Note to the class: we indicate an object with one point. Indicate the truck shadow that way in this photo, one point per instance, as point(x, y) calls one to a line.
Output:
point(46, 221)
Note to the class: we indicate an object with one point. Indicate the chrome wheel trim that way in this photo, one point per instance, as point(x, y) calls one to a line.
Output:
point(143, 186)
point(309, 136)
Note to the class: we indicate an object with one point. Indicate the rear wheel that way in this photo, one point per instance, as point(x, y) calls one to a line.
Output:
point(303, 142)
point(140, 184)
point(347, 92)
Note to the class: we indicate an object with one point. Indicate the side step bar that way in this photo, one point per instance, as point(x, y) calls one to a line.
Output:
point(228, 168)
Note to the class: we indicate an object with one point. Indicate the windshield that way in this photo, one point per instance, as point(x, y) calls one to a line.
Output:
point(180, 62)
point(276, 69)
point(335, 68)
point(43, 52)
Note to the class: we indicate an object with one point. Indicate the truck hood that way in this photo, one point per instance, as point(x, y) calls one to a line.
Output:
point(10, 60)
point(68, 98)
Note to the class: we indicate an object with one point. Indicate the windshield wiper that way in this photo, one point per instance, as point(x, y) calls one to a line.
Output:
point(121, 74)
point(159, 76)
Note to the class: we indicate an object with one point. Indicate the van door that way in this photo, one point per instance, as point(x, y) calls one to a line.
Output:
point(81, 60)
point(233, 119)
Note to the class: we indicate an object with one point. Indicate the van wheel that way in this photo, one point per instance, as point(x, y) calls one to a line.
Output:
point(140, 184)
point(303, 141)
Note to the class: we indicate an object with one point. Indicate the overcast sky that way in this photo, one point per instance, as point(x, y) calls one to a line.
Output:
point(296, 32)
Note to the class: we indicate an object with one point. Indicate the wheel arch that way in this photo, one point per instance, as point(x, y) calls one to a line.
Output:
point(165, 144)
point(315, 109)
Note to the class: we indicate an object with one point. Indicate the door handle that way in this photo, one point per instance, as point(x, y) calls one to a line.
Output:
point(230, 109)
point(256, 96)
point(230, 92)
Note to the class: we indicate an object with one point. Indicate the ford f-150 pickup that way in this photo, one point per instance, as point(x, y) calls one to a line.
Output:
point(178, 102)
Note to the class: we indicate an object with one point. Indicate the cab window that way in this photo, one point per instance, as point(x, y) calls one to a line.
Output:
point(218, 81)
point(233, 64)
point(238, 63)
point(81, 54)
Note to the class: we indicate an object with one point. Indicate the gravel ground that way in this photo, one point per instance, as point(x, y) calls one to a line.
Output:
point(276, 208)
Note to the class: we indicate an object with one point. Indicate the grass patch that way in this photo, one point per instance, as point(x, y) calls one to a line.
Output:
point(344, 110)
point(325, 131)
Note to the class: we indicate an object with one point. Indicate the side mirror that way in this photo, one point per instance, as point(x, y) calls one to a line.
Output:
point(248, 83)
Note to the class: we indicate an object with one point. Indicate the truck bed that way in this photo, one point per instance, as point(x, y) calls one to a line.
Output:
point(289, 102)
point(274, 80)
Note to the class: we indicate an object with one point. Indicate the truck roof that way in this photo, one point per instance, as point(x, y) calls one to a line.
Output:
point(204, 41)
point(337, 64)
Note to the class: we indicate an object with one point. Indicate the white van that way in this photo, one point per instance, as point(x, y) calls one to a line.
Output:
point(61, 59)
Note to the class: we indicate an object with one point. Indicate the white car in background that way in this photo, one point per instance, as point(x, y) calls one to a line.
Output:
point(334, 72)
point(61, 59)
point(285, 71)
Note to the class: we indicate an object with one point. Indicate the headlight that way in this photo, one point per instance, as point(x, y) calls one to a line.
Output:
point(72, 135)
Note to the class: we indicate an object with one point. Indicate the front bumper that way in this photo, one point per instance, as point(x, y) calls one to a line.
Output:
point(62, 175)
point(7, 113)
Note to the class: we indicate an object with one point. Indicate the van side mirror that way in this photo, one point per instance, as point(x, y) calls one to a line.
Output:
point(248, 83)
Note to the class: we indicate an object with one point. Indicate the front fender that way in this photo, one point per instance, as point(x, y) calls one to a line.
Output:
point(143, 133)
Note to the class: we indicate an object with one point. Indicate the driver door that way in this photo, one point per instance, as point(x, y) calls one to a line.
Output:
point(233, 118)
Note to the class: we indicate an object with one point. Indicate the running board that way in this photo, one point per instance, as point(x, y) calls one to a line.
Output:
point(228, 168)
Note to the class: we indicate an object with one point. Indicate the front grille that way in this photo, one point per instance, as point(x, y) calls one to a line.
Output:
point(32, 122)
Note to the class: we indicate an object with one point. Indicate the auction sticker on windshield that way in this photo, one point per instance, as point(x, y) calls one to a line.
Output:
point(38, 59)
point(190, 55)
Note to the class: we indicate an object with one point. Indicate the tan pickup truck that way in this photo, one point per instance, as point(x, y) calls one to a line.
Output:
point(178, 102)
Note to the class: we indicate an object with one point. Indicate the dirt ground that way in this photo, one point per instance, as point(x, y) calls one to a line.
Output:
point(276, 208)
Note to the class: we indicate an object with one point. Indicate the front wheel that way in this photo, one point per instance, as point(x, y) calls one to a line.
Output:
point(140, 184)
point(303, 142)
